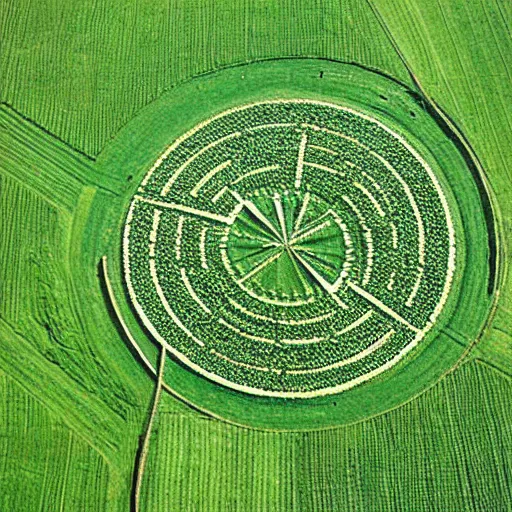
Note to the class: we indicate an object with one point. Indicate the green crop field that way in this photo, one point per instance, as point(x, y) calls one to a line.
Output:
point(254, 256)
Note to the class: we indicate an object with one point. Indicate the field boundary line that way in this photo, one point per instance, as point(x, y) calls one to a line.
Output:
point(104, 146)
point(52, 408)
point(500, 271)
point(492, 367)
point(117, 311)
point(81, 168)
point(58, 208)
point(27, 119)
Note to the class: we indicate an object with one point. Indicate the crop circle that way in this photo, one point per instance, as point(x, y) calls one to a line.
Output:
point(290, 248)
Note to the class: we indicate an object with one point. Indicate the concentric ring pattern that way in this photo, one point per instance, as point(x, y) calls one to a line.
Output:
point(290, 248)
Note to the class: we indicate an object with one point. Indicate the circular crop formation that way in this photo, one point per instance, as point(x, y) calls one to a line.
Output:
point(289, 248)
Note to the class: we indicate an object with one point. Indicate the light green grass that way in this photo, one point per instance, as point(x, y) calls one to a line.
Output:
point(104, 62)
point(472, 83)
point(51, 466)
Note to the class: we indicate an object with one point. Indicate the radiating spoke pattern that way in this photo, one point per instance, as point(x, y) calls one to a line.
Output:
point(286, 246)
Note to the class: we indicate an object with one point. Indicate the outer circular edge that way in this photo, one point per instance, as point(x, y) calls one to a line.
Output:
point(371, 399)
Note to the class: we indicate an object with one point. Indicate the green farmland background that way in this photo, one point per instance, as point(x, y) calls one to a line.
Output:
point(74, 400)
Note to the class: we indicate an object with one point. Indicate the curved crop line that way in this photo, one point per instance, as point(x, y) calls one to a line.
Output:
point(368, 238)
point(377, 187)
point(208, 176)
point(167, 306)
point(269, 125)
point(120, 318)
point(300, 160)
point(202, 248)
point(306, 341)
point(253, 173)
point(192, 292)
point(371, 197)
point(322, 148)
point(179, 234)
point(174, 177)
point(154, 230)
point(304, 321)
point(354, 324)
point(324, 168)
point(245, 334)
point(240, 363)
point(414, 206)
point(357, 357)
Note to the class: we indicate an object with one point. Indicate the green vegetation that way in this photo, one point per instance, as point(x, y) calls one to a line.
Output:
point(75, 142)
point(58, 469)
point(434, 440)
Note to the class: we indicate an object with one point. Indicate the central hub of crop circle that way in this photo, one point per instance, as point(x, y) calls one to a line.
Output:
point(285, 247)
